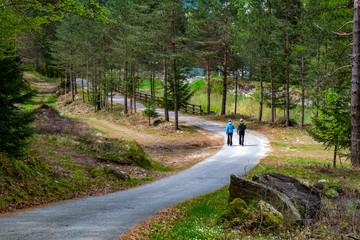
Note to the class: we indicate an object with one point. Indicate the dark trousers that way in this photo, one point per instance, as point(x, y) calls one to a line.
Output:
point(241, 138)
point(229, 139)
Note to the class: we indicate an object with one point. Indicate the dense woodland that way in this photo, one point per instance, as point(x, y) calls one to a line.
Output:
point(289, 46)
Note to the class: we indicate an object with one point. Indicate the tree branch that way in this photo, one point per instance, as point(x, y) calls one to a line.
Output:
point(343, 34)
point(351, 22)
point(346, 66)
point(345, 5)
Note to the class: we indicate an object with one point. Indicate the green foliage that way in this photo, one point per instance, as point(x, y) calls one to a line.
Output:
point(150, 110)
point(184, 91)
point(14, 121)
point(198, 85)
point(332, 125)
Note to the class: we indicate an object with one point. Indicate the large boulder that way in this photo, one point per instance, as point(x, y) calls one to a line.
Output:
point(306, 199)
point(249, 190)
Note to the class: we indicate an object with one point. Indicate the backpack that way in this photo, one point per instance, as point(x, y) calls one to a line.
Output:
point(241, 127)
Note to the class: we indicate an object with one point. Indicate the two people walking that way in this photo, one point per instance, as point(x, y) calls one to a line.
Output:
point(241, 127)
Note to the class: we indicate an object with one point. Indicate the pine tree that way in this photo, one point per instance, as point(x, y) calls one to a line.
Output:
point(15, 122)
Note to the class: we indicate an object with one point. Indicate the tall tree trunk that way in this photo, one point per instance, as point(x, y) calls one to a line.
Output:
point(125, 88)
point(93, 78)
point(302, 88)
point(236, 89)
point(99, 98)
point(132, 106)
point(82, 84)
point(208, 86)
point(272, 95)
point(87, 80)
point(176, 109)
point(355, 88)
point(112, 89)
point(72, 85)
point(287, 51)
point(223, 106)
point(335, 154)
point(261, 94)
point(65, 82)
point(152, 86)
point(165, 89)
point(75, 85)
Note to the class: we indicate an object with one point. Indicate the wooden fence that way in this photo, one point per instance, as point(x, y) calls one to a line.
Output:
point(192, 108)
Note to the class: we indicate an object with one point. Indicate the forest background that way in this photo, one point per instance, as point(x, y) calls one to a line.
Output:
point(300, 56)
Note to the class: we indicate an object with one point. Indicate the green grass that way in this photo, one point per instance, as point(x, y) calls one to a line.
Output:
point(246, 106)
point(145, 84)
point(198, 219)
point(47, 79)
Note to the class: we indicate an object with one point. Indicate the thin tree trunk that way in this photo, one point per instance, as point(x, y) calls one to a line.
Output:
point(112, 86)
point(335, 154)
point(87, 80)
point(287, 51)
point(133, 81)
point(125, 88)
point(223, 106)
point(176, 109)
point(355, 89)
point(302, 87)
point(165, 90)
point(65, 82)
point(99, 98)
point(82, 85)
point(166, 110)
point(75, 85)
point(272, 95)
point(152, 86)
point(261, 94)
point(236, 90)
point(72, 85)
point(94, 93)
point(302, 79)
point(208, 86)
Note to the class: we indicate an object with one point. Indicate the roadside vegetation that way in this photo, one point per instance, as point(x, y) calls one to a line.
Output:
point(294, 153)
point(66, 159)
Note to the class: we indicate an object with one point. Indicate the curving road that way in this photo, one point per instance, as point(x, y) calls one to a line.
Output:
point(110, 216)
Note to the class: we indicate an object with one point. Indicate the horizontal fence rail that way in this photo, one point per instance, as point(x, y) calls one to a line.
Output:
point(193, 108)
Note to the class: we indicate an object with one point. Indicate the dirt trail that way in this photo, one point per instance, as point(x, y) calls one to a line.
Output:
point(181, 150)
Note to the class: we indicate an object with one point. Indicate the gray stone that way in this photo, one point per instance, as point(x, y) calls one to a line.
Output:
point(118, 173)
point(270, 217)
point(249, 190)
point(306, 199)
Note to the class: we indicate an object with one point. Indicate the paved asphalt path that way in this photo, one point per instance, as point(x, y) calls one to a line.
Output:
point(110, 216)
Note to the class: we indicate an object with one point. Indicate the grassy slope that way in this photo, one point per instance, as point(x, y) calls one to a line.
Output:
point(70, 164)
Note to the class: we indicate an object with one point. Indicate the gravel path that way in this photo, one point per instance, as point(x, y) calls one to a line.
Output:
point(110, 216)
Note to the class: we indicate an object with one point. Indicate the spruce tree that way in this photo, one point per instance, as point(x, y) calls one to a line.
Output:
point(15, 122)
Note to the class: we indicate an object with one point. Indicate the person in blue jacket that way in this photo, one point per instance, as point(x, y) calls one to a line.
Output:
point(229, 132)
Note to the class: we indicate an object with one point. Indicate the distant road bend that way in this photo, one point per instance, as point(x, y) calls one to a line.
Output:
point(110, 216)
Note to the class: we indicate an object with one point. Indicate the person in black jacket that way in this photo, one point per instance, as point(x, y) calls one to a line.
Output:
point(241, 127)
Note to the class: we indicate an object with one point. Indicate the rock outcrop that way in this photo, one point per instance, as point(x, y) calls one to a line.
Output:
point(306, 199)
point(250, 190)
